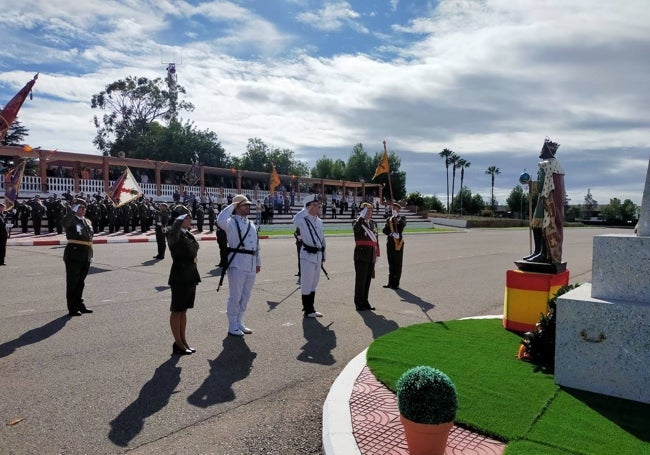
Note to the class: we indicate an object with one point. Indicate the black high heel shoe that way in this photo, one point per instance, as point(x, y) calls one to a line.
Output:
point(179, 351)
point(190, 348)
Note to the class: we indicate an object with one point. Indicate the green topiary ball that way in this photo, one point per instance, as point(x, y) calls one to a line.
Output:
point(426, 395)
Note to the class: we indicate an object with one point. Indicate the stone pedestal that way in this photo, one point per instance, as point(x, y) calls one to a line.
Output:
point(603, 329)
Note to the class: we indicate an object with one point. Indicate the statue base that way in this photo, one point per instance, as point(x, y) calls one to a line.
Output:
point(541, 267)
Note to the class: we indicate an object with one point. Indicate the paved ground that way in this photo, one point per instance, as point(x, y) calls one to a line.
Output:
point(105, 383)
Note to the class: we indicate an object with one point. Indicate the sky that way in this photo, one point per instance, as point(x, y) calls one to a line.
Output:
point(488, 79)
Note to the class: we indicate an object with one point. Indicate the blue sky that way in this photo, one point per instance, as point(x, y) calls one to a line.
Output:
point(487, 79)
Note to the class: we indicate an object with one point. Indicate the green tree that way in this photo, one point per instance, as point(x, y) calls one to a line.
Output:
point(130, 107)
point(462, 164)
point(359, 166)
point(478, 205)
point(15, 134)
point(327, 168)
point(445, 154)
point(493, 171)
point(453, 160)
point(619, 212)
point(433, 203)
point(518, 202)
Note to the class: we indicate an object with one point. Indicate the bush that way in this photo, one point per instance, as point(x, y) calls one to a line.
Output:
point(426, 395)
point(538, 346)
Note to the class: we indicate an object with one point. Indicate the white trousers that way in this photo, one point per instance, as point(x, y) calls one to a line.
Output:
point(309, 276)
point(240, 284)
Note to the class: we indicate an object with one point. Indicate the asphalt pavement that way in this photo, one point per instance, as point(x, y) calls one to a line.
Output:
point(106, 383)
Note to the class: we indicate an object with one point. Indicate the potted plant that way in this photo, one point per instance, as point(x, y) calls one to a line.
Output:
point(426, 399)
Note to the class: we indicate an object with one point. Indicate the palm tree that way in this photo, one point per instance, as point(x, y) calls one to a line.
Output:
point(493, 171)
point(462, 164)
point(453, 160)
point(445, 155)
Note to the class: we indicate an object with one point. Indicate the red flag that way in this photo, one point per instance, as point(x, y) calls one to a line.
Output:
point(125, 189)
point(13, 180)
point(10, 111)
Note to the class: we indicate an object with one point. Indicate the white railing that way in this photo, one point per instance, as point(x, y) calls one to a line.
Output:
point(31, 186)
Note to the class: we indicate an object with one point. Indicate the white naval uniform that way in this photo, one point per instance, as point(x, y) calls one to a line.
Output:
point(313, 235)
point(243, 267)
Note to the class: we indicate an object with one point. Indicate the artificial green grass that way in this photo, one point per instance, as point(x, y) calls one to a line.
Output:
point(506, 398)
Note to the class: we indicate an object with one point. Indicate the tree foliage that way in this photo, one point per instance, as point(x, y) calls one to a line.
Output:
point(619, 212)
point(130, 108)
point(518, 202)
point(15, 134)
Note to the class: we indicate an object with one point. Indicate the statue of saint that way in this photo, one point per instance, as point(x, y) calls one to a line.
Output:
point(548, 217)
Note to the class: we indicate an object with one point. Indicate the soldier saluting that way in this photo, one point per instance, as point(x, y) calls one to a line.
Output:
point(77, 256)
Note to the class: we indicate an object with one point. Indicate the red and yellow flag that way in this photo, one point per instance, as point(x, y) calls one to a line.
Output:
point(275, 180)
point(10, 111)
point(382, 167)
point(13, 180)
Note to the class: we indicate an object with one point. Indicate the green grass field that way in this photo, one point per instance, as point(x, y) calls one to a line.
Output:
point(509, 399)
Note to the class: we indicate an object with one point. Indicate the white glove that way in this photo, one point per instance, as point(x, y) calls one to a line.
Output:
point(394, 235)
point(363, 212)
point(393, 213)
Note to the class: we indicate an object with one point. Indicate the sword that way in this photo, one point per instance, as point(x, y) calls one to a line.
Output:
point(324, 271)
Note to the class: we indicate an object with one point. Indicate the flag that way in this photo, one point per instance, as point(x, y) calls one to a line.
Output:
point(10, 111)
point(275, 180)
point(125, 189)
point(13, 180)
point(192, 175)
point(382, 167)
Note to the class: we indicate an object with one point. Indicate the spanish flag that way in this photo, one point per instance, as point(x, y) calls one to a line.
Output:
point(382, 167)
point(275, 180)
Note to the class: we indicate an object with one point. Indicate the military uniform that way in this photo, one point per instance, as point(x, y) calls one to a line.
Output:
point(243, 262)
point(77, 256)
point(312, 254)
point(366, 251)
point(394, 229)
point(4, 233)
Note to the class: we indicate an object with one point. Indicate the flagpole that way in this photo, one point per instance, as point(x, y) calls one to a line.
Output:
point(390, 186)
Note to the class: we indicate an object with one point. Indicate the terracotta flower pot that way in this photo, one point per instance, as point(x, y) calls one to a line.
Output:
point(426, 439)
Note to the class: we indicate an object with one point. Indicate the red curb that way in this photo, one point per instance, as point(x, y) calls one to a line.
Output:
point(46, 242)
point(136, 240)
point(97, 241)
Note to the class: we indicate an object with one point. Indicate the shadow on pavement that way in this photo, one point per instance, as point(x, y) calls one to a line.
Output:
point(33, 336)
point(153, 396)
point(233, 364)
point(378, 323)
point(321, 340)
point(416, 300)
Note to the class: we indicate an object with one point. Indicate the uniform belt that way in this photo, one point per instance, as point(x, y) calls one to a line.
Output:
point(241, 250)
point(312, 249)
point(365, 243)
point(81, 242)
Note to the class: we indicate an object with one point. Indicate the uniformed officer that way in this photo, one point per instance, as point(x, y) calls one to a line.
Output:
point(312, 252)
point(394, 229)
point(183, 277)
point(4, 233)
point(243, 260)
point(77, 256)
point(366, 251)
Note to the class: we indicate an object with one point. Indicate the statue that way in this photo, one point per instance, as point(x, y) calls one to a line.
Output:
point(548, 218)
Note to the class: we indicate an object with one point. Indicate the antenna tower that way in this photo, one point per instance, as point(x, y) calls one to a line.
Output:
point(172, 80)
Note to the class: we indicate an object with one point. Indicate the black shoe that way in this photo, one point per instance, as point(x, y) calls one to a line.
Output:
point(387, 286)
point(86, 310)
point(2, 263)
point(179, 351)
point(159, 257)
point(191, 349)
point(368, 307)
point(74, 313)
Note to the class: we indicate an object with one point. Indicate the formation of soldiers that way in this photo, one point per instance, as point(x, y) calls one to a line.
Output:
point(138, 215)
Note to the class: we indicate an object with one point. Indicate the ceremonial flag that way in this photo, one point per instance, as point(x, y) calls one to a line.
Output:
point(382, 167)
point(125, 189)
point(10, 111)
point(13, 180)
point(192, 175)
point(275, 180)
